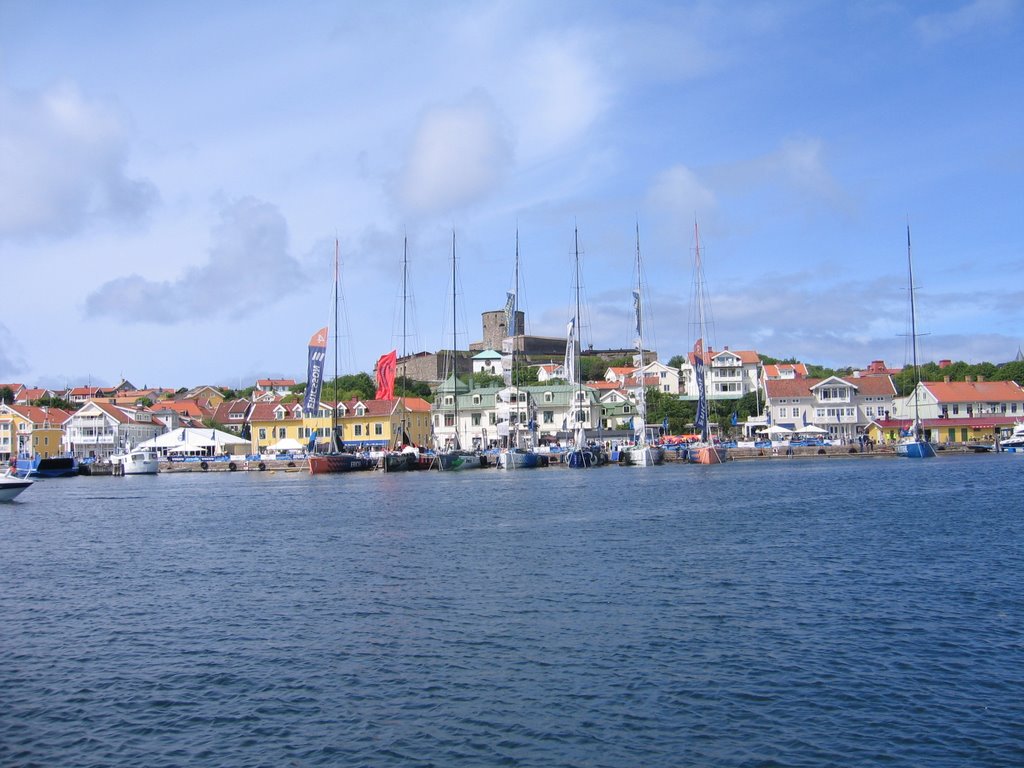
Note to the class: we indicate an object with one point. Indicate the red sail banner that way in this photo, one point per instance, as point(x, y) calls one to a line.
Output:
point(386, 367)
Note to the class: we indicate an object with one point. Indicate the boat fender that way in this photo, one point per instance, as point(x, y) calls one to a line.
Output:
point(262, 466)
point(821, 451)
point(232, 467)
point(291, 463)
point(775, 451)
point(204, 466)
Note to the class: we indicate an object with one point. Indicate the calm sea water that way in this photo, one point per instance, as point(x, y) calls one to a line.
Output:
point(793, 613)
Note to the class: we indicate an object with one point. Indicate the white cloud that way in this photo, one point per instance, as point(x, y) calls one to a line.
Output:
point(458, 155)
point(248, 268)
point(798, 166)
point(563, 93)
point(940, 27)
point(63, 163)
point(679, 189)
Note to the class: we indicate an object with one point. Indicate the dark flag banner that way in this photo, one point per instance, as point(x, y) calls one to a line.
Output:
point(386, 366)
point(315, 371)
point(701, 420)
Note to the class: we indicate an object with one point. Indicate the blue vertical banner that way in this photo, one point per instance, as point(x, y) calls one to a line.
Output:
point(315, 371)
point(701, 421)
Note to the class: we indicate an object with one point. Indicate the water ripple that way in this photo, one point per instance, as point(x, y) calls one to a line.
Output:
point(806, 614)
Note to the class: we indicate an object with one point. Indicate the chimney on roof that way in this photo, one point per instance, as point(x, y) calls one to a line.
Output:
point(981, 379)
point(945, 379)
point(968, 379)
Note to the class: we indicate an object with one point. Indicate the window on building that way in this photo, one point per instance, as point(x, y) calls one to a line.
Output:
point(378, 428)
point(357, 430)
point(549, 417)
point(492, 418)
point(476, 419)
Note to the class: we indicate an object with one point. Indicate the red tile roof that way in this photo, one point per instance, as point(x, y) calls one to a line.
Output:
point(975, 391)
point(871, 386)
point(40, 415)
point(774, 370)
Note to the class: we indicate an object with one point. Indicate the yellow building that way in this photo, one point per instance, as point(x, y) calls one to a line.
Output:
point(272, 421)
point(370, 424)
point(30, 430)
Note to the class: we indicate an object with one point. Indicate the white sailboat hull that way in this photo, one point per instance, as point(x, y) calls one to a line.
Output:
point(643, 456)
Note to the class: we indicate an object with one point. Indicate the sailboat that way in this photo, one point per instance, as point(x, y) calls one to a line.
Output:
point(913, 445)
point(643, 453)
point(452, 456)
point(705, 450)
point(514, 455)
point(582, 455)
point(403, 455)
point(336, 459)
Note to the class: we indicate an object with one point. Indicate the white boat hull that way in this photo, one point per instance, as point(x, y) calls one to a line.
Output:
point(644, 456)
point(136, 463)
point(11, 485)
point(518, 460)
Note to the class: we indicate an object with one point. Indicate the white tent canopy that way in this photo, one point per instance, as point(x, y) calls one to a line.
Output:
point(197, 441)
point(813, 430)
point(286, 444)
point(775, 429)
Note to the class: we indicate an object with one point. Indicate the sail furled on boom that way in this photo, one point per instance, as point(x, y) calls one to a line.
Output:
point(570, 351)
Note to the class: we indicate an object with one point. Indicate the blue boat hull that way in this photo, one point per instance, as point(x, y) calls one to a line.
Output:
point(918, 449)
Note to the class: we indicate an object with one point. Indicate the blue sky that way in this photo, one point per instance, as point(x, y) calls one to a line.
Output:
point(173, 177)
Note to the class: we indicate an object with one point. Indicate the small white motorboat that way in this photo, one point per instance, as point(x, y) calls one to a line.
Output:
point(11, 485)
point(140, 461)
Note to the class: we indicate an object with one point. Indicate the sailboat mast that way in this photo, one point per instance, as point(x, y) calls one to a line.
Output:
point(640, 341)
point(701, 328)
point(579, 339)
point(913, 337)
point(514, 378)
point(455, 359)
point(405, 277)
point(334, 411)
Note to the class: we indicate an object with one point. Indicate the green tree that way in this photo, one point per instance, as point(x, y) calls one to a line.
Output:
point(662, 405)
point(676, 361)
point(406, 387)
point(55, 402)
point(354, 385)
point(1010, 372)
point(524, 374)
point(6, 395)
point(592, 367)
point(481, 379)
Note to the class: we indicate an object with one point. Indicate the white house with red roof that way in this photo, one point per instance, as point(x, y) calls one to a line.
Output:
point(28, 395)
point(549, 371)
point(843, 407)
point(775, 371)
point(98, 429)
point(963, 400)
point(279, 386)
point(729, 375)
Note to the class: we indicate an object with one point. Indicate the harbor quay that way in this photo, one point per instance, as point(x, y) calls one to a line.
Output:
point(762, 453)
